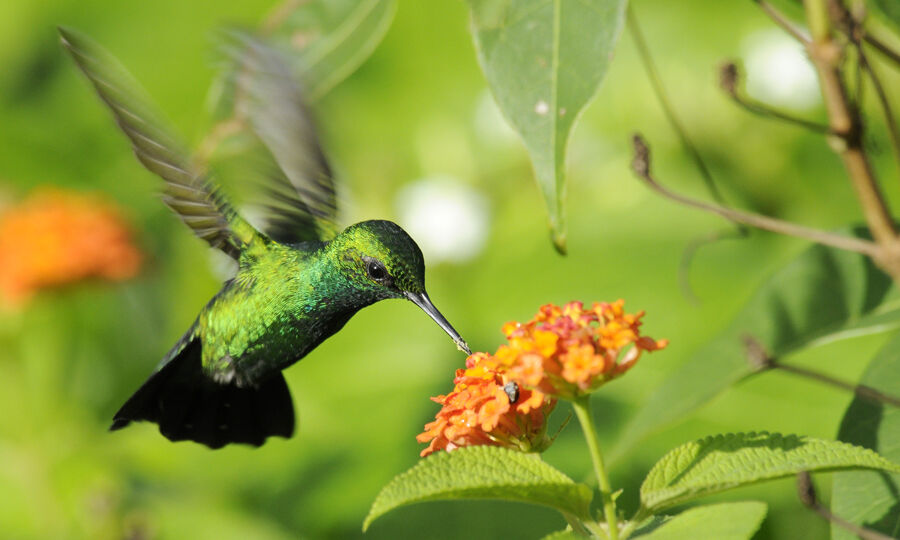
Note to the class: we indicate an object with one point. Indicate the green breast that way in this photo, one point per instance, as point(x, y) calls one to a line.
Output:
point(283, 302)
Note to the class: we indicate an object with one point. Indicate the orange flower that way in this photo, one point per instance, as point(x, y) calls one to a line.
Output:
point(503, 399)
point(486, 409)
point(55, 238)
point(578, 349)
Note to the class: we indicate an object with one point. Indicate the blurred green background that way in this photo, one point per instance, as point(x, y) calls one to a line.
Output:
point(417, 109)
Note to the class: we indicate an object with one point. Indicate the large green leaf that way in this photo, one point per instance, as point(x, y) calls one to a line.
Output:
point(483, 472)
point(726, 521)
point(822, 295)
point(333, 37)
point(867, 498)
point(723, 462)
point(544, 60)
point(888, 10)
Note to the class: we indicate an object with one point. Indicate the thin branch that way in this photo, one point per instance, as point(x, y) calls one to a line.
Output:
point(729, 80)
point(852, 26)
point(846, 124)
point(783, 21)
point(806, 491)
point(883, 100)
point(882, 47)
point(668, 109)
point(760, 360)
point(641, 166)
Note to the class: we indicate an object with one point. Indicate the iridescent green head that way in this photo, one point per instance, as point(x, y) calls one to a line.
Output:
point(381, 261)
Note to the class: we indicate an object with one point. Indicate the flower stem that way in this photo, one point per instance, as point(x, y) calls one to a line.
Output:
point(582, 406)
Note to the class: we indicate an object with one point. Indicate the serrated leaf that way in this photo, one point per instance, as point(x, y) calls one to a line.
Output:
point(726, 521)
point(868, 498)
point(333, 37)
point(722, 462)
point(822, 295)
point(483, 472)
point(544, 61)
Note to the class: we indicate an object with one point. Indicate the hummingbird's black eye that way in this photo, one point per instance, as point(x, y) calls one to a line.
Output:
point(376, 271)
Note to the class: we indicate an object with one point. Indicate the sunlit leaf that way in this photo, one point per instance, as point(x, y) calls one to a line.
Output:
point(869, 498)
point(823, 295)
point(483, 472)
point(544, 61)
point(723, 462)
point(726, 521)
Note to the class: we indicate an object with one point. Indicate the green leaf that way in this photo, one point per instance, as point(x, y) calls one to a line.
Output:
point(723, 462)
point(823, 295)
point(544, 61)
point(888, 10)
point(483, 472)
point(333, 37)
point(726, 521)
point(867, 498)
point(565, 534)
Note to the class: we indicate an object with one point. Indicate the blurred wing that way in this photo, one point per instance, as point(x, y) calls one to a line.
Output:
point(269, 96)
point(190, 195)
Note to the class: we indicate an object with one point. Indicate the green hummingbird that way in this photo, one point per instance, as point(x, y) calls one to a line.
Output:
point(298, 281)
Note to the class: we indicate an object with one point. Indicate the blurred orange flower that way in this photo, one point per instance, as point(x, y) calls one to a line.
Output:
point(56, 237)
point(503, 399)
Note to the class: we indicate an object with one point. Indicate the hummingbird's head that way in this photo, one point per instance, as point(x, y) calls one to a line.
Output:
point(382, 261)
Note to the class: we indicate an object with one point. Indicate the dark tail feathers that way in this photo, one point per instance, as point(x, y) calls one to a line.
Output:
point(188, 405)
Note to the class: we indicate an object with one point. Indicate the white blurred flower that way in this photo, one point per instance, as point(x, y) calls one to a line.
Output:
point(447, 218)
point(778, 71)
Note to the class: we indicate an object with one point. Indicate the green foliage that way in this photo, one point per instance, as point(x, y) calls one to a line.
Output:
point(726, 521)
point(332, 38)
point(887, 9)
point(872, 498)
point(721, 462)
point(822, 295)
point(416, 109)
point(544, 62)
point(483, 472)
point(565, 534)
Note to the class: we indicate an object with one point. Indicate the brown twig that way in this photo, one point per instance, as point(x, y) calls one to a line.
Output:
point(760, 360)
point(846, 124)
point(729, 80)
point(806, 491)
point(782, 21)
point(668, 109)
point(852, 26)
point(641, 166)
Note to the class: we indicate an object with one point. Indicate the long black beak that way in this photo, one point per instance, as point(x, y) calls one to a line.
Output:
point(422, 300)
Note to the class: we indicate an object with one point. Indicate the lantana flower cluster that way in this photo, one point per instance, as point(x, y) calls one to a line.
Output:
point(56, 237)
point(563, 352)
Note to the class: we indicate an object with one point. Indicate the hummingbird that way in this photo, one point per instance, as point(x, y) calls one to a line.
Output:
point(298, 279)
